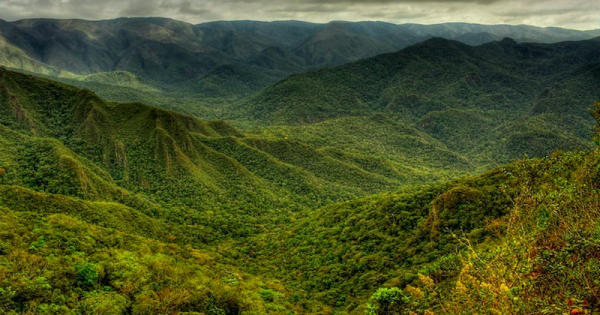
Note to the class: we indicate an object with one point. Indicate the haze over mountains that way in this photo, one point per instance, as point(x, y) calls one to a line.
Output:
point(242, 55)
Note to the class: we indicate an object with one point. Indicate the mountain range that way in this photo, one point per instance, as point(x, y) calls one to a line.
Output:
point(203, 58)
point(297, 168)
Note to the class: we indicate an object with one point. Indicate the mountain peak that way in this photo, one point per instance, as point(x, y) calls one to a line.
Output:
point(508, 41)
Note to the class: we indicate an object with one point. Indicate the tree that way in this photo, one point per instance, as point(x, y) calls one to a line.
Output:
point(386, 302)
point(87, 275)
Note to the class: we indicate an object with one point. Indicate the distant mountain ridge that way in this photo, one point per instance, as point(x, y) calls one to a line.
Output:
point(164, 52)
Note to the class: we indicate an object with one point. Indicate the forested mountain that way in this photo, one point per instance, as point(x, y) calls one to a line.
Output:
point(128, 209)
point(461, 107)
point(340, 190)
point(60, 139)
point(70, 160)
point(494, 102)
point(165, 53)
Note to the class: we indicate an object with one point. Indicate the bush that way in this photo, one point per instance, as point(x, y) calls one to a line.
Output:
point(87, 275)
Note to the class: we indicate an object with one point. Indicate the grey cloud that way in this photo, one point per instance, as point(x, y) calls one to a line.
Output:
point(44, 3)
point(546, 12)
point(186, 7)
point(306, 8)
point(578, 14)
point(411, 1)
point(369, 2)
point(169, 8)
point(385, 15)
point(86, 9)
point(142, 7)
point(581, 14)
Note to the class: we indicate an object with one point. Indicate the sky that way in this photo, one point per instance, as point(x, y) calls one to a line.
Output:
point(574, 14)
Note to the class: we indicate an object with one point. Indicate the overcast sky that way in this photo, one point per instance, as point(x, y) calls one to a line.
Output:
point(575, 14)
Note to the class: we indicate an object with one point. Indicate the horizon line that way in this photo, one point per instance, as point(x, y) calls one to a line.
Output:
point(292, 20)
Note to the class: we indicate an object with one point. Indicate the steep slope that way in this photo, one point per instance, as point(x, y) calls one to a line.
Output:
point(341, 253)
point(544, 261)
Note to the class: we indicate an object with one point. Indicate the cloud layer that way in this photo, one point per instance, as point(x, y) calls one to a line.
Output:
point(576, 14)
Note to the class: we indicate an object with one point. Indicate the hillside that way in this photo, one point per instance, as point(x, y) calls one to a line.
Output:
point(489, 103)
point(523, 235)
point(54, 263)
point(462, 108)
point(59, 139)
point(71, 160)
point(87, 174)
point(429, 247)
point(545, 262)
point(130, 209)
point(336, 256)
point(339, 253)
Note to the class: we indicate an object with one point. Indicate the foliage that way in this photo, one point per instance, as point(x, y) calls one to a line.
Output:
point(61, 140)
point(386, 301)
point(126, 208)
point(87, 275)
point(339, 253)
point(546, 261)
point(85, 269)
